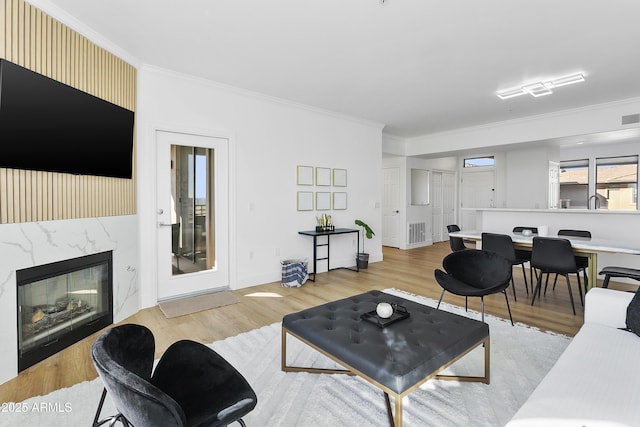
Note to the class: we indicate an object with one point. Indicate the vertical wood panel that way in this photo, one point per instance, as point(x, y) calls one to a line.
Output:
point(34, 40)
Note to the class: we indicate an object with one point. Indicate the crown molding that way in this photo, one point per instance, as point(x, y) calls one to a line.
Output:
point(259, 96)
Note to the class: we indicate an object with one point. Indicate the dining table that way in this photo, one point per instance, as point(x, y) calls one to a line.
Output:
point(582, 246)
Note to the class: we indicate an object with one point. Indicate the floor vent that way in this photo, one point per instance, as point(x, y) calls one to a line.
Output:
point(417, 232)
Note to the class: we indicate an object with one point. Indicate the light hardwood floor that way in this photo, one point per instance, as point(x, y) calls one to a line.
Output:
point(408, 270)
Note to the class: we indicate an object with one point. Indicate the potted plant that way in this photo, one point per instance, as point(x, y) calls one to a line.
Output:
point(362, 259)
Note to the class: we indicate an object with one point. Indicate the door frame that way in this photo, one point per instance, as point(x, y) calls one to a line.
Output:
point(148, 275)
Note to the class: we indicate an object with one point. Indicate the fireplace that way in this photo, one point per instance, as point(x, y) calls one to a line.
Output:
point(61, 303)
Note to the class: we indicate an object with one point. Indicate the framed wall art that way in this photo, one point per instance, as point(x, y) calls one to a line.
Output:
point(339, 200)
point(323, 201)
point(304, 175)
point(305, 200)
point(323, 176)
point(339, 177)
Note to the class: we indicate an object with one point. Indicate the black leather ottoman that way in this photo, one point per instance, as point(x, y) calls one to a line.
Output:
point(396, 359)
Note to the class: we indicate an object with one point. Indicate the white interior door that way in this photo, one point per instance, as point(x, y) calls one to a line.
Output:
point(437, 225)
point(478, 190)
point(448, 202)
point(192, 199)
point(391, 207)
point(443, 194)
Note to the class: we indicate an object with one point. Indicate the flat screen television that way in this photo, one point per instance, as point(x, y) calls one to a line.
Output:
point(46, 125)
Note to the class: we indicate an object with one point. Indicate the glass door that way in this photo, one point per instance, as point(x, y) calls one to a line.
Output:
point(192, 187)
point(191, 206)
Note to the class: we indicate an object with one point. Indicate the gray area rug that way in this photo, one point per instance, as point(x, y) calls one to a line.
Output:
point(520, 357)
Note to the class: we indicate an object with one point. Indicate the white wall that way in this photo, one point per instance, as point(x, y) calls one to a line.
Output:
point(269, 138)
point(527, 177)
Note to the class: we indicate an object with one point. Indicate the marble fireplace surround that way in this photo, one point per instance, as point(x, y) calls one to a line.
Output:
point(25, 245)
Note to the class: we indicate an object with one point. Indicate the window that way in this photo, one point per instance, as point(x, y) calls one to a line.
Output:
point(475, 162)
point(617, 183)
point(574, 183)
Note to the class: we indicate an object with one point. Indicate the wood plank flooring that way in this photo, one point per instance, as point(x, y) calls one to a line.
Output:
point(408, 270)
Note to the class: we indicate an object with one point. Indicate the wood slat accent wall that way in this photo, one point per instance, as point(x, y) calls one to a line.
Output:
point(34, 40)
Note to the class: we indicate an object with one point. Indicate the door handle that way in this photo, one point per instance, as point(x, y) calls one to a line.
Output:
point(164, 224)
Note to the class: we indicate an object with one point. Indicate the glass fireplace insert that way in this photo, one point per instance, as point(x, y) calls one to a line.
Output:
point(61, 303)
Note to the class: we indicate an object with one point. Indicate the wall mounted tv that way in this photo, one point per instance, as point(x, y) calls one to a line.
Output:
point(46, 125)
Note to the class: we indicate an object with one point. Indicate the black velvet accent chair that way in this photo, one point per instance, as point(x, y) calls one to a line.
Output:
point(192, 385)
point(475, 273)
point(503, 245)
point(554, 255)
point(456, 243)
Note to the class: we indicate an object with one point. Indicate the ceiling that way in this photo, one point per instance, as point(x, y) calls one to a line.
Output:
point(416, 66)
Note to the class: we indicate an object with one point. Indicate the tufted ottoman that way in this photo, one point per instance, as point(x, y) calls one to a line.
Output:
point(396, 359)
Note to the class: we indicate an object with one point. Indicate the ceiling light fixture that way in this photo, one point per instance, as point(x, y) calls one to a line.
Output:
point(537, 89)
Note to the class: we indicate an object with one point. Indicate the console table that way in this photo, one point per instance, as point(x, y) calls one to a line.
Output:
point(316, 245)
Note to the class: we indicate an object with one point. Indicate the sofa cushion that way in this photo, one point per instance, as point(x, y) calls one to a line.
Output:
point(633, 314)
point(593, 383)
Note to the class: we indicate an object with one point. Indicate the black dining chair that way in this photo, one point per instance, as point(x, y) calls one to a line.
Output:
point(192, 385)
point(503, 245)
point(525, 253)
point(475, 273)
point(554, 255)
point(582, 262)
point(456, 243)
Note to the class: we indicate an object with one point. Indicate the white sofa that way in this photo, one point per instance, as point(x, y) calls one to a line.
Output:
point(596, 381)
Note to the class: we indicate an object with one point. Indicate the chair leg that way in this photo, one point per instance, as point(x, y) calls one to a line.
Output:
point(97, 416)
point(524, 275)
point(508, 307)
point(440, 300)
point(242, 423)
point(573, 307)
point(482, 307)
point(536, 291)
point(513, 285)
point(555, 280)
point(466, 303)
point(546, 283)
point(605, 284)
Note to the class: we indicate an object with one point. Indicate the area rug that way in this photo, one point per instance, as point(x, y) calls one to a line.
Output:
point(520, 357)
point(184, 306)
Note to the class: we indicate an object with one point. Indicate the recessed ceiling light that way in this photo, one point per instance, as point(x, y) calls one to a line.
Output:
point(537, 89)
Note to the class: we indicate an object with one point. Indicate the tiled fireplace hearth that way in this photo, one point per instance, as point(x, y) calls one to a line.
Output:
point(61, 303)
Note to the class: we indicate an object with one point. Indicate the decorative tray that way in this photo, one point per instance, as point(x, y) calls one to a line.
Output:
point(399, 313)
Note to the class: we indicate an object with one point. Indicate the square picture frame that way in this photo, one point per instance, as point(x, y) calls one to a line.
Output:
point(323, 177)
point(305, 201)
point(304, 175)
point(339, 177)
point(323, 200)
point(339, 200)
